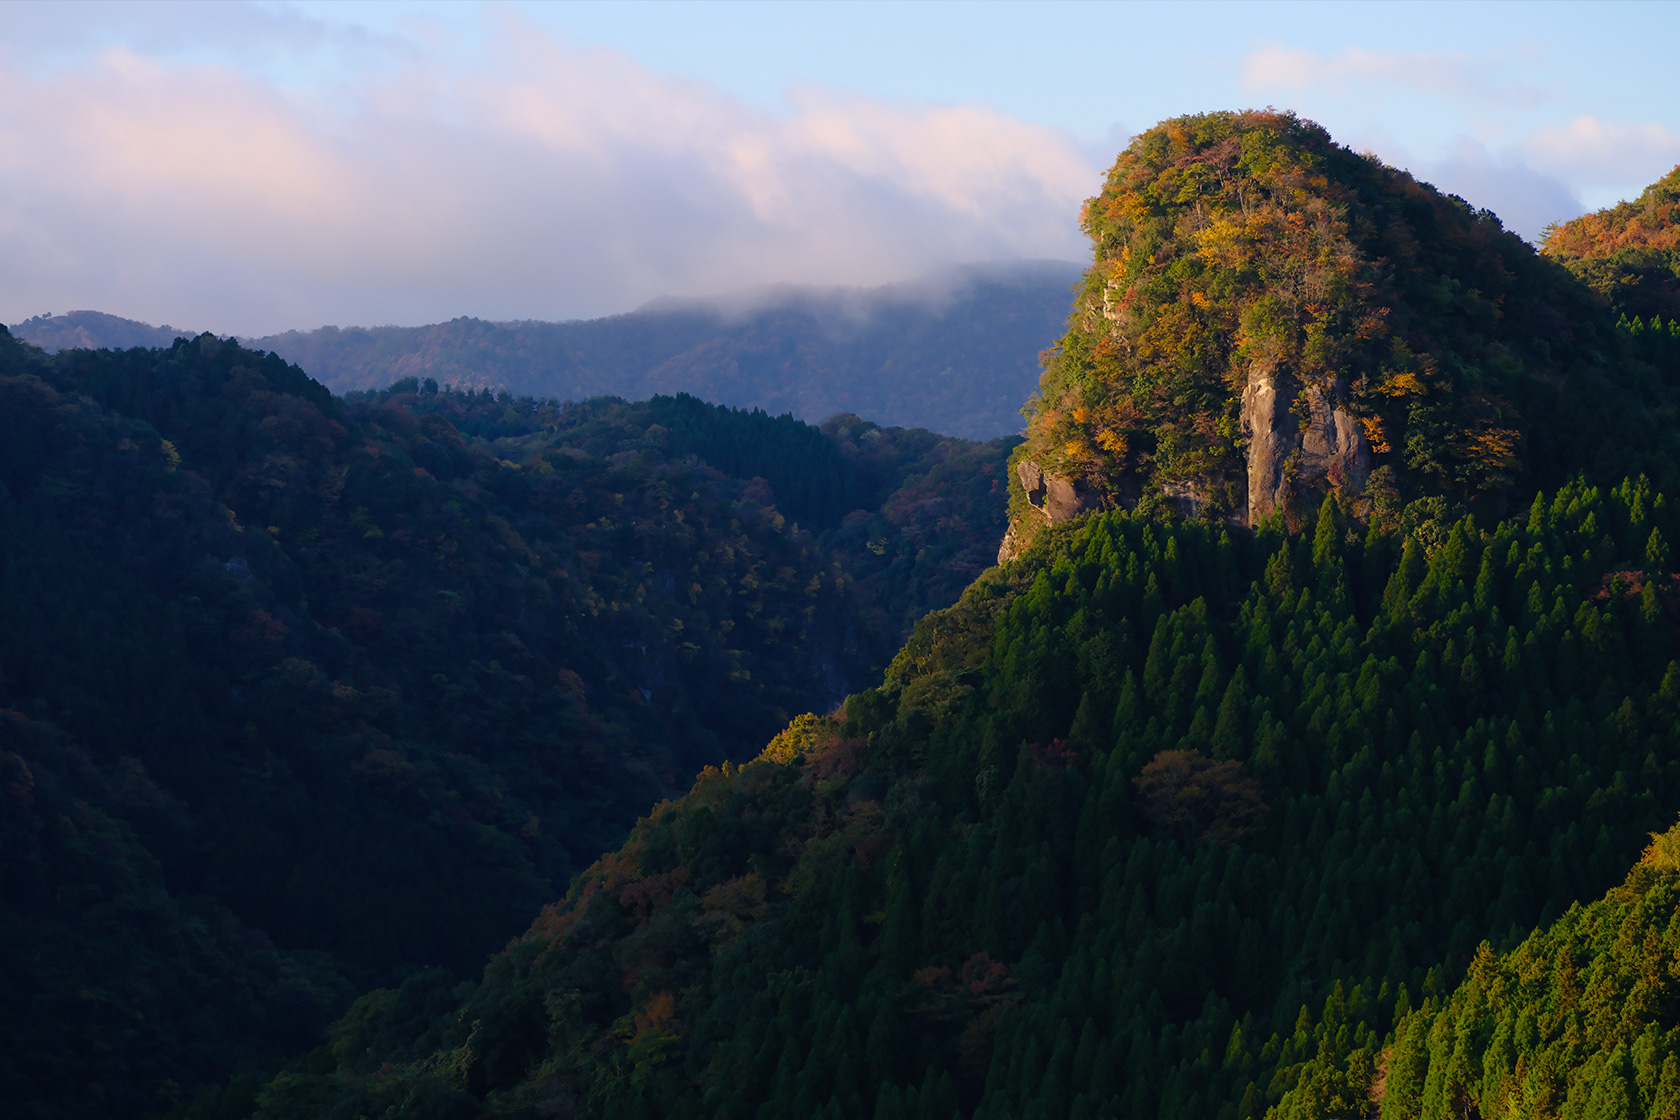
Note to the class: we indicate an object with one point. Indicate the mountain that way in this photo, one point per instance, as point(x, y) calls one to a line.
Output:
point(1628, 253)
point(1187, 809)
point(955, 353)
point(94, 330)
point(1335, 658)
point(299, 693)
point(1270, 316)
point(1154, 819)
point(1578, 1020)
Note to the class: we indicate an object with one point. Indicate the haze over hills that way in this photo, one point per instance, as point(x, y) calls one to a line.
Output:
point(955, 353)
point(1193, 809)
point(1327, 676)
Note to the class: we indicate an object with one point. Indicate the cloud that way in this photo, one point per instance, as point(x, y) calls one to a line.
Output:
point(1525, 199)
point(1454, 75)
point(1605, 154)
point(546, 181)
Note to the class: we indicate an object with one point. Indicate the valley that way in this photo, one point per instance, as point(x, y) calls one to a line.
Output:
point(474, 721)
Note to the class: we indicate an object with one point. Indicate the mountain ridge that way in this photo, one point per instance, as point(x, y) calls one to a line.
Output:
point(954, 352)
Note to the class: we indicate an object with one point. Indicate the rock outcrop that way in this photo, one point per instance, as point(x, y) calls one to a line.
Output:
point(1058, 499)
point(1286, 458)
point(1009, 547)
point(1270, 431)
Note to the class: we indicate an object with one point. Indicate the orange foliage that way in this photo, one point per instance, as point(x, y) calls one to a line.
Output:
point(1374, 434)
point(1652, 221)
point(657, 1016)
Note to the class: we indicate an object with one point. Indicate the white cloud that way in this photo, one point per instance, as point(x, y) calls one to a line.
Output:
point(1603, 154)
point(549, 181)
point(1525, 199)
point(1446, 74)
point(1488, 131)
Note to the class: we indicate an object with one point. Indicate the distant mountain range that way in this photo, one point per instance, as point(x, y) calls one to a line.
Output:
point(955, 353)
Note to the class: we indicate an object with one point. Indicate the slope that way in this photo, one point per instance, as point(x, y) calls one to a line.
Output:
point(298, 690)
point(1579, 1021)
point(1628, 253)
point(1109, 828)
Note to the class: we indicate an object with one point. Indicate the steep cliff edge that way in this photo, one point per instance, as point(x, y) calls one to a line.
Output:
point(1269, 317)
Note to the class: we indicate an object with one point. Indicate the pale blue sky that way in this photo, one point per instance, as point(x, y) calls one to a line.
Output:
point(255, 166)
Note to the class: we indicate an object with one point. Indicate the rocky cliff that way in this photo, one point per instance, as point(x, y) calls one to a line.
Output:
point(1288, 458)
point(1269, 318)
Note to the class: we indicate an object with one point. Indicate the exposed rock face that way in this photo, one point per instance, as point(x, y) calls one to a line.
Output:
point(1010, 547)
point(1286, 458)
point(1333, 447)
point(1057, 498)
point(1270, 431)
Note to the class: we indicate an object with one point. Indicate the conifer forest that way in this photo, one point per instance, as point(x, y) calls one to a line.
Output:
point(1284, 726)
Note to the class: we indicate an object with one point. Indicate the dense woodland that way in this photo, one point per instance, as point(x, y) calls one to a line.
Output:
point(1319, 818)
point(1133, 830)
point(301, 693)
point(955, 353)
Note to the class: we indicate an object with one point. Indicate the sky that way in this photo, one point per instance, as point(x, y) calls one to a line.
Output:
point(254, 167)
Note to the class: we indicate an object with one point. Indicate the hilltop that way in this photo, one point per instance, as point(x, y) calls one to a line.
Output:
point(1327, 676)
point(1194, 807)
point(1628, 253)
point(1270, 316)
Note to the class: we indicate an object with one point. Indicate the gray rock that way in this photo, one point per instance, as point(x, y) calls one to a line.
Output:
point(1058, 499)
point(1270, 431)
point(1287, 459)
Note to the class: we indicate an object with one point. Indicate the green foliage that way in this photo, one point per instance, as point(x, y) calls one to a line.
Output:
point(1628, 253)
point(1231, 245)
point(962, 899)
point(368, 679)
point(1578, 1021)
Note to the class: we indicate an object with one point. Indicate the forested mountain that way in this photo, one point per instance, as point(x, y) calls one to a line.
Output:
point(1328, 675)
point(1578, 1021)
point(94, 330)
point(1628, 253)
point(1270, 316)
point(954, 353)
point(299, 693)
point(1159, 820)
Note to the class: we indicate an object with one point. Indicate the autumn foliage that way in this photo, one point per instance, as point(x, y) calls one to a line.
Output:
point(1227, 244)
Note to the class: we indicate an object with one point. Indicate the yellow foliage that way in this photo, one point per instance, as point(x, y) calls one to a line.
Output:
point(1374, 434)
point(1663, 854)
point(1401, 384)
point(1112, 442)
point(798, 737)
point(1493, 446)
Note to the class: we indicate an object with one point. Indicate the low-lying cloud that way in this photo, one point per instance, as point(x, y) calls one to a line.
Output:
point(547, 182)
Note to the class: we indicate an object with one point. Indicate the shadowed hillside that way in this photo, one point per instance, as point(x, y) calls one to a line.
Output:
point(299, 693)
